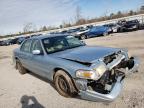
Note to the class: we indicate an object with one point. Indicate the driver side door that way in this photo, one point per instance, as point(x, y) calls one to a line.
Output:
point(37, 60)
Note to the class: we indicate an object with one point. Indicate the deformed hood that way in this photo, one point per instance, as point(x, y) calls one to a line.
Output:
point(86, 54)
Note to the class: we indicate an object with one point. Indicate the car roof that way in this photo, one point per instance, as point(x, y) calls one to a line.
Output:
point(48, 35)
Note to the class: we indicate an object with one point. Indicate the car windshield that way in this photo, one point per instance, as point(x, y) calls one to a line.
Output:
point(60, 43)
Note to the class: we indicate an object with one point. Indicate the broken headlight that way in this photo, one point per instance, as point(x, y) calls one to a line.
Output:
point(93, 74)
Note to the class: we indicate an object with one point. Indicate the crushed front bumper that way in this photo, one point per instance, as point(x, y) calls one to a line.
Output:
point(114, 91)
point(95, 96)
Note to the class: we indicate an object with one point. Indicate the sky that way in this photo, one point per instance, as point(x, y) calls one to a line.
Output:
point(15, 14)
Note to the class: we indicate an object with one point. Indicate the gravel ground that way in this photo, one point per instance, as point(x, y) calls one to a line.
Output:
point(28, 91)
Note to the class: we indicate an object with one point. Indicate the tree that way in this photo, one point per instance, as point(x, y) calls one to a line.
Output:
point(81, 21)
point(65, 24)
point(119, 13)
point(78, 13)
point(131, 12)
point(29, 27)
point(111, 15)
point(44, 28)
point(61, 26)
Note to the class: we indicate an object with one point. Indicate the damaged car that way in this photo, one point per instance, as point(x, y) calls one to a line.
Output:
point(92, 72)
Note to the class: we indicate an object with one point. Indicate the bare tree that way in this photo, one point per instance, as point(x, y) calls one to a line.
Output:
point(78, 13)
point(29, 27)
point(131, 12)
point(44, 28)
point(104, 16)
point(119, 13)
point(111, 15)
point(61, 26)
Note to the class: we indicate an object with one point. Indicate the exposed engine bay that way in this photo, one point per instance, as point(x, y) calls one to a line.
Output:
point(118, 66)
point(106, 82)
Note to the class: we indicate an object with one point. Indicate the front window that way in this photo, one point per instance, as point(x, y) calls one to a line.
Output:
point(36, 45)
point(60, 43)
point(26, 46)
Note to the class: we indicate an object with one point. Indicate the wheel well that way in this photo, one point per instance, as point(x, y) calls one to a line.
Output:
point(56, 69)
point(16, 58)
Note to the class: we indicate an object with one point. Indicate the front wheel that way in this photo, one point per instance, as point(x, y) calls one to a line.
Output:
point(64, 84)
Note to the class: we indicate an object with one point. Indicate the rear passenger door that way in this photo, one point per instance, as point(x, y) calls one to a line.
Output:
point(24, 55)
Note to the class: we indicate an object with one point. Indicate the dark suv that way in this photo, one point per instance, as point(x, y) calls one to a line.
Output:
point(129, 25)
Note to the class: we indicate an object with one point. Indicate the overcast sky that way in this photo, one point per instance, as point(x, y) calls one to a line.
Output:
point(14, 14)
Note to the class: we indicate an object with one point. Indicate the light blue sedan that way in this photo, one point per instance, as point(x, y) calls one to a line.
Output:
point(95, 73)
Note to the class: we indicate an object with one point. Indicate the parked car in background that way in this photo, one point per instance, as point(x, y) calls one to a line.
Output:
point(111, 26)
point(54, 32)
point(20, 40)
point(80, 34)
point(35, 35)
point(93, 72)
point(63, 32)
point(116, 28)
point(73, 31)
point(1, 43)
point(96, 31)
point(128, 25)
point(141, 25)
point(90, 26)
point(14, 41)
point(6, 42)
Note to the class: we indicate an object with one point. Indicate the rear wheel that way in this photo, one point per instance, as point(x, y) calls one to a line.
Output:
point(64, 84)
point(83, 37)
point(20, 68)
point(105, 34)
point(122, 30)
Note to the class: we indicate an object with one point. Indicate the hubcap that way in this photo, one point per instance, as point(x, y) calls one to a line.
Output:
point(63, 84)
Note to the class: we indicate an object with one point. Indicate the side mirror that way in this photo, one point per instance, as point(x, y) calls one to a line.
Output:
point(36, 52)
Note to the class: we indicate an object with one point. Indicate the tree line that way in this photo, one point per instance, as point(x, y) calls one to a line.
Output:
point(79, 20)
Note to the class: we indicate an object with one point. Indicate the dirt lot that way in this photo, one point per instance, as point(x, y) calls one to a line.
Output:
point(27, 91)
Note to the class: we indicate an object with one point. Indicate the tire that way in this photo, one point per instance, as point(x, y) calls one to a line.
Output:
point(20, 68)
point(83, 37)
point(121, 30)
point(118, 30)
point(105, 34)
point(64, 84)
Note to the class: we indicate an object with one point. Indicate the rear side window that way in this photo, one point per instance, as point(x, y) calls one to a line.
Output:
point(26, 46)
point(36, 45)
